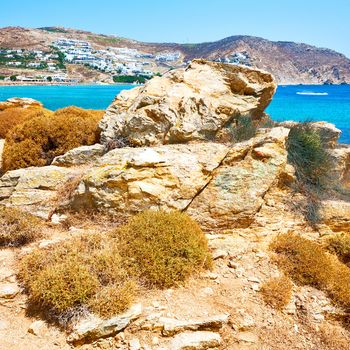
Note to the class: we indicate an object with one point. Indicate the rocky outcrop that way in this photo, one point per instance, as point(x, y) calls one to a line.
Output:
point(2, 144)
point(190, 104)
point(20, 102)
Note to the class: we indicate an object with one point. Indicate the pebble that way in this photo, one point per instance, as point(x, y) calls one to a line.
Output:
point(9, 290)
point(247, 337)
point(36, 328)
point(134, 344)
point(219, 254)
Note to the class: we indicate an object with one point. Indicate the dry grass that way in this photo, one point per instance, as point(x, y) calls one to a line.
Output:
point(306, 262)
point(78, 272)
point(102, 272)
point(11, 117)
point(162, 248)
point(36, 141)
point(277, 292)
point(334, 337)
point(339, 245)
point(18, 227)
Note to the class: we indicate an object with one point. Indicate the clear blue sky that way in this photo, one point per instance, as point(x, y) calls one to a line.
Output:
point(324, 23)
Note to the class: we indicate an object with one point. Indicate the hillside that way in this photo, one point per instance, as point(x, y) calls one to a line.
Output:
point(289, 62)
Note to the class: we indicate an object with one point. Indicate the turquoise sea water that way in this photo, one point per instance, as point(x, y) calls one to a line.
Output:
point(301, 102)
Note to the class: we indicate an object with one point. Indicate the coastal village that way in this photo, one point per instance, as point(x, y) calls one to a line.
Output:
point(51, 66)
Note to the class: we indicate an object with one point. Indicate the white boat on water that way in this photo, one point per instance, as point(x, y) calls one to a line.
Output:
point(310, 93)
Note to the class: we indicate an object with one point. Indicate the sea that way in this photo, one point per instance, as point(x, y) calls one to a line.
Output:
point(329, 103)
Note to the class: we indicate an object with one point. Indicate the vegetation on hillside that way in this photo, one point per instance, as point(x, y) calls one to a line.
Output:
point(36, 141)
point(102, 272)
point(277, 292)
point(130, 79)
point(307, 152)
point(18, 227)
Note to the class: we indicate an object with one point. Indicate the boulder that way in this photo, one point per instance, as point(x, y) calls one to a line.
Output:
point(188, 104)
point(94, 328)
point(33, 189)
point(80, 155)
point(237, 189)
point(131, 180)
point(19, 102)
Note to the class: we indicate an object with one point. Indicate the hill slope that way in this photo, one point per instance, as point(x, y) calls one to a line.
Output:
point(289, 62)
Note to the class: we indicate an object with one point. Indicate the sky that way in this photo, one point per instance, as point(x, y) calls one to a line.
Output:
point(324, 23)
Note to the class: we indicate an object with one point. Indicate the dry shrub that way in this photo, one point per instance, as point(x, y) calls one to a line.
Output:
point(11, 117)
point(277, 292)
point(77, 272)
point(339, 245)
point(334, 337)
point(37, 141)
point(18, 227)
point(306, 262)
point(162, 248)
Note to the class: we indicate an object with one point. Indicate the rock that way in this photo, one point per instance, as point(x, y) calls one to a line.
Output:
point(36, 328)
point(237, 189)
point(20, 102)
point(33, 189)
point(95, 328)
point(207, 291)
point(219, 254)
point(187, 104)
point(9, 290)
point(341, 165)
point(173, 326)
point(134, 344)
point(195, 341)
point(80, 155)
point(131, 180)
point(336, 215)
point(247, 337)
point(2, 144)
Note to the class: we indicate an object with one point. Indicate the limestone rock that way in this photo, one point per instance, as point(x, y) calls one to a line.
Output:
point(173, 326)
point(95, 328)
point(33, 189)
point(195, 341)
point(341, 165)
point(9, 290)
point(37, 328)
point(80, 155)
point(237, 189)
point(187, 104)
point(336, 215)
point(130, 180)
point(19, 102)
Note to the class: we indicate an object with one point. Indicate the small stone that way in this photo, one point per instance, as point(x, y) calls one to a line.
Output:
point(57, 219)
point(134, 344)
point(207, 291)
point(36, 328)
point(9, 290)
point(195, 341)
point(155, 341)
point(255, 287)
point(211, 275)
point(253, 279)
point(219, 254)
point(3, 325)
point(247, 337)
point(232, 264)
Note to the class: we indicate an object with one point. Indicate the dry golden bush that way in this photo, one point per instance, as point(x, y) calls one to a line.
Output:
point(306, 262)
point(277, 292)
point(18, 227)
point(11, 117)
point(334, 337)
point(36, 141)
point(339, 245)
point(78, 272)
point(102, 272)
point(163, 248)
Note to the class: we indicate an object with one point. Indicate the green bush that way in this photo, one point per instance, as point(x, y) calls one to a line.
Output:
point(307, 152)
point(37, 141)
point(162, 248)
point(18, 227)
point(244, 129)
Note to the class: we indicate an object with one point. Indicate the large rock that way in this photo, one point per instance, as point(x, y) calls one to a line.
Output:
point(19, 102)
point(195, 341)
point(94, 328)
point(33, 189)
point(130, 180)
point(187, 104)
point(237, 189)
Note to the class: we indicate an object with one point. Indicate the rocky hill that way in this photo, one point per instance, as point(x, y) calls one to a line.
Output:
point(289, 62)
